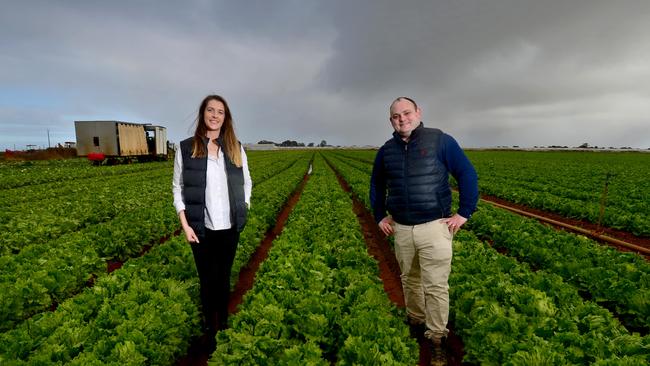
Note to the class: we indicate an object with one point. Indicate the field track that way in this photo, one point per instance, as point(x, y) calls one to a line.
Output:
point(622, 240)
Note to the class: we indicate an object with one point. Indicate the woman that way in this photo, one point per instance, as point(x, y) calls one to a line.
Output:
point(212, 190)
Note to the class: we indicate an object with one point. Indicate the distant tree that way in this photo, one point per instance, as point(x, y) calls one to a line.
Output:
point(265, 142)
point(291, 143)
point(584, 146)
point(311, 144)
point(323, 143)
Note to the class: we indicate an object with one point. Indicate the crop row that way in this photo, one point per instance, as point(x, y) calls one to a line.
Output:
point(266, 164)
point(263, 168)
point(266, 202)
point(74, 205)
point(28, 173)
point(568, 183)
point(507, 314)
point(357, 177)
point(36, 194)
point(363, 156)
point(106, 347)
point(29, 224)
point(317, 298)
point(628, 216)
point(619, 281)
point(43, 275)
point(572, 184)
point(144, 313)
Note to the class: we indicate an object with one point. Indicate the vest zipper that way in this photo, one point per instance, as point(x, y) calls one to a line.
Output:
point(406, 186)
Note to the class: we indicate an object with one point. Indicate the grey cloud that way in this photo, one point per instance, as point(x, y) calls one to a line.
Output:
point(497, 72)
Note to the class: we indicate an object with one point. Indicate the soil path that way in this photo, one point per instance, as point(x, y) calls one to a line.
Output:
point(379, 247)
point(591, 227)
point(199, 351)
point(247, 273)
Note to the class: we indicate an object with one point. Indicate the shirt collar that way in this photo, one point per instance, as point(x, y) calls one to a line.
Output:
point(413, 135)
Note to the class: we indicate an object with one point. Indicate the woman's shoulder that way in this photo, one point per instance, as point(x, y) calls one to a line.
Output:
point(187, 141)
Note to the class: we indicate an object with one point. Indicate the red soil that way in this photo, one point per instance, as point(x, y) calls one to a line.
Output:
point(379, 247)
point(613, 233)
point(389, 272)
point(247, 273)
point(200, 350)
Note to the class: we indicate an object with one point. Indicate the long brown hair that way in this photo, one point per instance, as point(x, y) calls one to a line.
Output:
point(227, 132)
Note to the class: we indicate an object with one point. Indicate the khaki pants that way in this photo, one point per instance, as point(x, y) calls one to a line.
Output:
point(424, 255)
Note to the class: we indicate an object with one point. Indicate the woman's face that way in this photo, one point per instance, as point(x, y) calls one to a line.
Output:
point(213, 115)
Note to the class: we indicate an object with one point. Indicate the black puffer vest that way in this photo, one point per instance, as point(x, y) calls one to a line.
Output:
point(194, 176)
point(417, 182)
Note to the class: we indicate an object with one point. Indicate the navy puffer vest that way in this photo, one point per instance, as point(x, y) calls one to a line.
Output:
point(194, 173)
point(417, 182)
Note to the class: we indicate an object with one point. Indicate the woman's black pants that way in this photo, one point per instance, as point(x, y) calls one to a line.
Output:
point(214, 255)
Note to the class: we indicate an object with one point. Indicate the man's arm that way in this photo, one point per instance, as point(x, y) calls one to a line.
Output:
point(463, 171)
point(378, 187)
point(378, 195)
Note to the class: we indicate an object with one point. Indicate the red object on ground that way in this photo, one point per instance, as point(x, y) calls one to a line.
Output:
point(96, 157)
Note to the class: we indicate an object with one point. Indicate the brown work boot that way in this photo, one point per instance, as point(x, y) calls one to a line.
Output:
point(439, 351)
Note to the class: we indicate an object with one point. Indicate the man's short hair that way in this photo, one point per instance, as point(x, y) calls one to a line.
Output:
point(404, 98)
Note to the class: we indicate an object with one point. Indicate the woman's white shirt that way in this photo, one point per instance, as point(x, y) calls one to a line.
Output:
point(217, 203)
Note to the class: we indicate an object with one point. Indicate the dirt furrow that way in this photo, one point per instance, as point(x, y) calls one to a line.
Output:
point(601, 234)
point(200, 351)
point(379, 247)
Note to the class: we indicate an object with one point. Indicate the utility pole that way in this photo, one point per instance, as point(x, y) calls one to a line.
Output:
point(48, 138)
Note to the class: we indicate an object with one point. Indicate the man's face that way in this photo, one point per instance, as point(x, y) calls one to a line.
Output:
point(404, 117)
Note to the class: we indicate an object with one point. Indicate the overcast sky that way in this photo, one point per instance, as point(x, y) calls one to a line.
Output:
point(490, 73)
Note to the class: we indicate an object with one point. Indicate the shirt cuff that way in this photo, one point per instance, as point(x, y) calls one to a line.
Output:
point(465, 213)
point(179, 207)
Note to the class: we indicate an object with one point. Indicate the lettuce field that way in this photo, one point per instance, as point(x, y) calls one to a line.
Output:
point(94, 269)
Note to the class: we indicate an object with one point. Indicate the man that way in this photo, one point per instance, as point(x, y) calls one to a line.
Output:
point(410, 180)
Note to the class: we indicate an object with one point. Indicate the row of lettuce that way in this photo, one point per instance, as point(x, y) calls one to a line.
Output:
point(572, 184)
point(616, 280)
point(568, 183)
point(28, 173)
point(147, 311)
point(508, 313)
point(143, 313)
point(46, 272)
point(82, 206)
point(317, 298)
